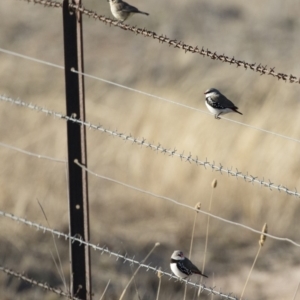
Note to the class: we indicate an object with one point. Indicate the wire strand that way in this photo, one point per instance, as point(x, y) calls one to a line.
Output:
point(185, 205)
point(32, 154)
point(147, 94)
point(105, 250)
point(31, 58)
point(158, 148)
point(185, 106)
point(146, 192)
point(259, 68)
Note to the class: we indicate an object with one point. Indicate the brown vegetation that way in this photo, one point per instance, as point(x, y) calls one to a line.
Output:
point(128, 221)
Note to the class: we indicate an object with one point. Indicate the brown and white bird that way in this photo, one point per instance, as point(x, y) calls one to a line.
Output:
point(218, 104)
point(182, 267)
point(122, 10)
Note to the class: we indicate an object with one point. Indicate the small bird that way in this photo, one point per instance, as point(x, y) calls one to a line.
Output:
point(218, 104)
point(122, 10)
point(182, 267)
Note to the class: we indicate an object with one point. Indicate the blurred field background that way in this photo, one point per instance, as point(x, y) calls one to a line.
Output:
point(125, 220)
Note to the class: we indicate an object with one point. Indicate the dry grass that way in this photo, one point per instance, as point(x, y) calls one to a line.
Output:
point(254, 31)
point(260, 243)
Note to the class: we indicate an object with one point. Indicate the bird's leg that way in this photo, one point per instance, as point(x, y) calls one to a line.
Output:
point(217, 116)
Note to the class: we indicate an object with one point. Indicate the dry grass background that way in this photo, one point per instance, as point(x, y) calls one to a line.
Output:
point(126, 220)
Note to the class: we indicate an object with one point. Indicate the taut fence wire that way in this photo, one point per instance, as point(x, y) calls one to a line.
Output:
point(150, 193)
point(159, 148)
point(187, 206)
point(184, 105)
point(259, 68)
point(146, 94)
point(32, 154)
point(105, 250)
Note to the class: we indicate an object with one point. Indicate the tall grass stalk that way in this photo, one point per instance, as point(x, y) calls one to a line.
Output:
point(260, 243)
point(213, 185)
point(105, 290)
point(296, 291)
point(126, 287)
point(159, 275)
point(59, 267)
point(212, 294)
point(198, 207)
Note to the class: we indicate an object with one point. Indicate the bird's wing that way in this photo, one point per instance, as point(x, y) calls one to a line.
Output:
point(192, 267)
point(226, 102)
point(129, 8)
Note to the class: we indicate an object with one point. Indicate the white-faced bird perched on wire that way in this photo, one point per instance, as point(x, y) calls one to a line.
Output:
point(218, 104)
point(182, 267)
point(122, 10)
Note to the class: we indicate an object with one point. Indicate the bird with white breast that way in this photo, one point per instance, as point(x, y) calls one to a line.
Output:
point(122, 10)
point(182, 267)
point(218, 104)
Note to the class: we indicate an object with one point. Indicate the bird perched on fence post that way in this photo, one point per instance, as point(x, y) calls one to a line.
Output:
point(218, 104)
point(182, 267)
point(122, 10)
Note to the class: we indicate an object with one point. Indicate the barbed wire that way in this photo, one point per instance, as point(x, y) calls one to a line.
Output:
point(259, 68)
point(147, 94)
point(125, 258)
point(183, 105)
point(150, 193)
point(159, 148)
point(43, 285)
point(186, 206)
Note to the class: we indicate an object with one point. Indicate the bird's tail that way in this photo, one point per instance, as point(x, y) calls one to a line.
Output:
point(235, 110)
point(144, 13)
point(200, 273)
